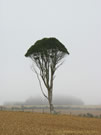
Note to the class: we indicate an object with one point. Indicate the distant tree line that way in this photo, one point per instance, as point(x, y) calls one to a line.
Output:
point(57, 101)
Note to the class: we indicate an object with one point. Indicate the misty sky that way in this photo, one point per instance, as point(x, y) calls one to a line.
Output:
point(76, 23)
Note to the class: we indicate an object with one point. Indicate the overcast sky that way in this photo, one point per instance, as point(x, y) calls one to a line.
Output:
point(76, 23)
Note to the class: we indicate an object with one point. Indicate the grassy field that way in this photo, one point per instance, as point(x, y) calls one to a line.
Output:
point(29, 123)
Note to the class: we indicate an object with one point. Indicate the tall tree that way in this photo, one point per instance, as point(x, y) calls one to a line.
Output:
point(47, 55)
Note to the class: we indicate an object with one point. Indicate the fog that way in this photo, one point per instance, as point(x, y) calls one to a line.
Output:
point(77, 24)
point(58, 100)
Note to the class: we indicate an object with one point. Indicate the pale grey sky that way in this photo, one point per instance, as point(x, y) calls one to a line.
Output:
point(76, 23)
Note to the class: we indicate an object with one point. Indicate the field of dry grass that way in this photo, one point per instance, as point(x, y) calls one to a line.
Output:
point(28, 123)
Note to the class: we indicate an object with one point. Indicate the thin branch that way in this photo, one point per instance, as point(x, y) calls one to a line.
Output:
point(59, 65)
point(33, 69)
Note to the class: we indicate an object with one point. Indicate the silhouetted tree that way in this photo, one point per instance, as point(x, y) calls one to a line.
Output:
point(47, 54)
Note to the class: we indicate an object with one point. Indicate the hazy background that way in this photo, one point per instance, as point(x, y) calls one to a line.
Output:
point(76, 23)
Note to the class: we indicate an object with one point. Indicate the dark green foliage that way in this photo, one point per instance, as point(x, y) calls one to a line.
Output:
point(46, 44)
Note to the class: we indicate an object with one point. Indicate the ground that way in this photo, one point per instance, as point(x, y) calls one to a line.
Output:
point(30, 123)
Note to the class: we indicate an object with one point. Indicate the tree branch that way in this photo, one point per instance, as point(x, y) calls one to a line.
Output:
point(33, 69)
point(59, 65)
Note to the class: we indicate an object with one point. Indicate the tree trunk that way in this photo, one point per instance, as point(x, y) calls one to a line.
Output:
point(50, 101)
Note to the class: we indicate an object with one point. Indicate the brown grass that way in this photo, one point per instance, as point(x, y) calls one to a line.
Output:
point(28, 123)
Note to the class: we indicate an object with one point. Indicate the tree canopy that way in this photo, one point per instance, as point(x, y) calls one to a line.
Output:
point(46, 44)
